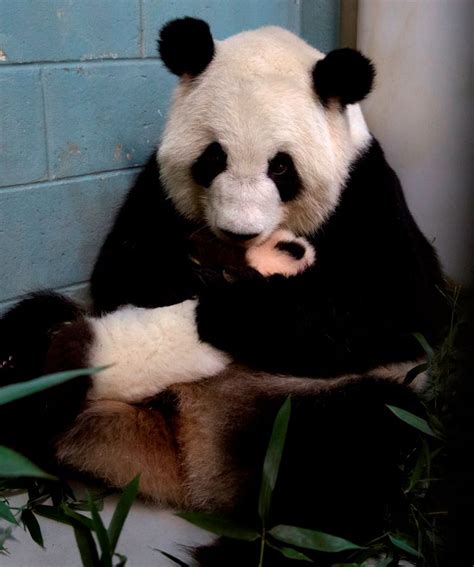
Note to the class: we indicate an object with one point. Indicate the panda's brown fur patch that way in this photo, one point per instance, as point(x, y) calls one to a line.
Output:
point(178, 448)
point(213, 411)
point(115, 441)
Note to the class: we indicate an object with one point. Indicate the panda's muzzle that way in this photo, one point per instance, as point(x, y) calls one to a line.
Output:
point(243, 209)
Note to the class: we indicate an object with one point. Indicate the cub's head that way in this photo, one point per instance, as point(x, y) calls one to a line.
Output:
point(262, 131)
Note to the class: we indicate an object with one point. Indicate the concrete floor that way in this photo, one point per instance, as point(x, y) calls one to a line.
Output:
point(146, 528)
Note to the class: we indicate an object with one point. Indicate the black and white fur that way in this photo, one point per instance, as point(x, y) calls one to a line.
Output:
point(376, 279)
point(265, 134)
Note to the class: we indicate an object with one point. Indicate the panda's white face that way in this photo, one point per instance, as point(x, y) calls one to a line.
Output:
point(249, 147)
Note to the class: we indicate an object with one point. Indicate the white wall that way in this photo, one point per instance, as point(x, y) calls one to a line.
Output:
point(421, 111)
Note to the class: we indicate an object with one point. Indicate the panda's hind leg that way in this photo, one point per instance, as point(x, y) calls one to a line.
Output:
point(30, 334)
point(340, 469)
point(106, 439)
point(26, 331)
point(114, 441)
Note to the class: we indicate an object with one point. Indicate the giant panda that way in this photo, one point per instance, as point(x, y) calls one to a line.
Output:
point(265, 148)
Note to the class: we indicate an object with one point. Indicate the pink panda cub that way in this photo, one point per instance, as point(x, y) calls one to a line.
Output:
point(282, 253)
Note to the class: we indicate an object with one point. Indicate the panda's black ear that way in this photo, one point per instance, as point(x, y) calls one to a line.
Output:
point(344, 75)
point(186, 46)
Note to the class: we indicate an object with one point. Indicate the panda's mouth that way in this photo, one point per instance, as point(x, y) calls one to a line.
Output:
point(242, 239)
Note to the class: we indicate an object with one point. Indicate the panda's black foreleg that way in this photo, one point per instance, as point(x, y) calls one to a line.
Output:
point(28, 333)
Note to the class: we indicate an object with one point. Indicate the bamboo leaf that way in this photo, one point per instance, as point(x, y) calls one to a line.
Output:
point(82, 531)
point(171, 558)
point(272, 461)
point(122, 560)
point(102, 535)
point(121, 511)
point(73, 515)
point(63, 516)
point(14, 465)
point(290, 553)
point(424, 343)
point(20, 390)
point(6, 513)
point(402, 544)
point(5, 534)
point(53, 513)
point(413, 420)
point(87, 547)
point(220, 526)
point(85, 507)
point(310, 539)
point(417, 471)
point(425, 449)
point(31, 524)
point(437, 425)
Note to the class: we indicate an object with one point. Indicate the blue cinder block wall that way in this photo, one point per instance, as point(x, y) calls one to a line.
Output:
point(82, 103)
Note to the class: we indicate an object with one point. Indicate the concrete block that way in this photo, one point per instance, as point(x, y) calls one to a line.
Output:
point(320, 23)
point(50, 233)
point(22, 136)
point(103, 116)
point(65, 30)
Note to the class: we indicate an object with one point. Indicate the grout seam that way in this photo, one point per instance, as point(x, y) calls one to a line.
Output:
point(78, 62)
point(85, 176)
point(45, 123)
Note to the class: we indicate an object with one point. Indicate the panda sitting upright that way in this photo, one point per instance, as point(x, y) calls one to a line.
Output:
point(264, 135)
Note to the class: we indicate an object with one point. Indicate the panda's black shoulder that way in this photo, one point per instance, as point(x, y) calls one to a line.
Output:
point(373, 183)
point(146, 242)
point(148, 221)
point(145, 199)
point(372, 228)
point(371, 195)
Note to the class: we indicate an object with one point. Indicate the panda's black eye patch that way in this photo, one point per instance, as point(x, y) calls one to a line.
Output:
point(209, 164)
point(282, 171)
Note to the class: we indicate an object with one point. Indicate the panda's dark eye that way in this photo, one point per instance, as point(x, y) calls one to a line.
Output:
point(277, 167)
point(209, 164)
point(280, 165)
point(282, 171)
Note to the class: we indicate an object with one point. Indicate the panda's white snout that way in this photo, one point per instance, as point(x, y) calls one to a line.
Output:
point(244, 211)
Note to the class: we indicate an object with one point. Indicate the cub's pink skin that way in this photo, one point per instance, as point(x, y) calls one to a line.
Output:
point(271, 257)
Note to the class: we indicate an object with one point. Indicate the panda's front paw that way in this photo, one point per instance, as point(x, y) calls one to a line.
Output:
point(282, 253)
point(149, 350)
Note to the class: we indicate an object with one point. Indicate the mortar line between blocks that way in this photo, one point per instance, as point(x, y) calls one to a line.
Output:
point(81, 62)
point(298, 16)
point(59, 180)
point(141, 29)
point(45, 122)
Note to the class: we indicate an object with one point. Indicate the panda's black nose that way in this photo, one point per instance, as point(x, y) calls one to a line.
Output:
point(238, 236)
